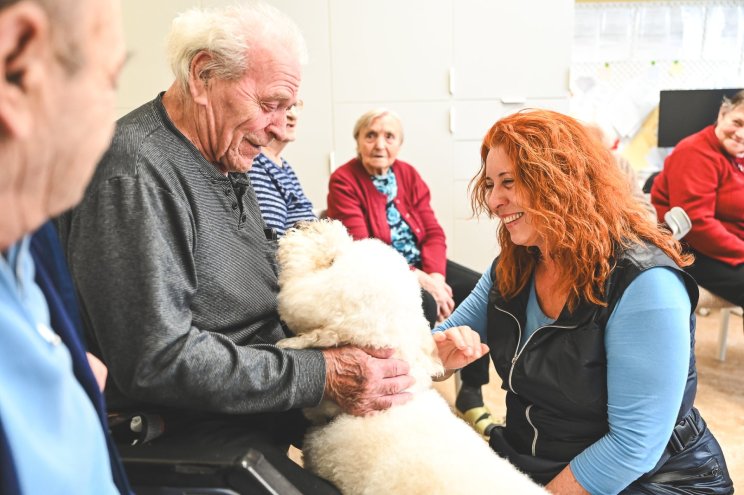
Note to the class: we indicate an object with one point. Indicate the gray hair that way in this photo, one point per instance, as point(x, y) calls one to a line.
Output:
point(367, 118)
point(64, 18)
point(228, 34)
point(733, 102)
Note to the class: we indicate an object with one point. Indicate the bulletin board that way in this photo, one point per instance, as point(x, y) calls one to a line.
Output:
point(624, 53)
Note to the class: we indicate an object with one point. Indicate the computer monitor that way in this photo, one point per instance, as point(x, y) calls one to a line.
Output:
point(685, 112)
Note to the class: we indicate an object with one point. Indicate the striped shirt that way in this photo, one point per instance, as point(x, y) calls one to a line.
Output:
point(279, 194)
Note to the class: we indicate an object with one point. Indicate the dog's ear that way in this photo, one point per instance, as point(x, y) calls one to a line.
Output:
point(312, 246)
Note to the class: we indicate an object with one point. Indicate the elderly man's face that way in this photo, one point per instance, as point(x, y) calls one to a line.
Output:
point(245, 114)
point(80, 111)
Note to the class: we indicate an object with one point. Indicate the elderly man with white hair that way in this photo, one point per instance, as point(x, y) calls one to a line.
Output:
point(174, 267)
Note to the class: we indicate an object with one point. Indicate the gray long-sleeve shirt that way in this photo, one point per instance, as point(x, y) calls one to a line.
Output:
point(178, 282)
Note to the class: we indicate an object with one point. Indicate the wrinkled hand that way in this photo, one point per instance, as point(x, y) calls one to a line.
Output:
point(459, 346)
point(362, 381)
point(434, 284)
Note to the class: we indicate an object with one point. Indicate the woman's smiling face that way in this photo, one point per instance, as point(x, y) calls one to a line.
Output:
point(504, 201)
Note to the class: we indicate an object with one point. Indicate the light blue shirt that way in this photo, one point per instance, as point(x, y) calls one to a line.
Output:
point(51, 426)
point(647, 342)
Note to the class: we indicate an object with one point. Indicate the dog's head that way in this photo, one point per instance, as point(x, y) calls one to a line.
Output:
point(363, 290)
point(310, 247)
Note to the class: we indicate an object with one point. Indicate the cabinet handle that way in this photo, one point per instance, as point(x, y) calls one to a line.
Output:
point(513, 100)
point(451, 80)
point(331, 162)
point(452, 120)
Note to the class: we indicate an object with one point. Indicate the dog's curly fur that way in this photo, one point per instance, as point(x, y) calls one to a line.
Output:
point(335, 291)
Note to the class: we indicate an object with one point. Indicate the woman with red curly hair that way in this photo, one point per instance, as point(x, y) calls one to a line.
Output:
point(589, 319)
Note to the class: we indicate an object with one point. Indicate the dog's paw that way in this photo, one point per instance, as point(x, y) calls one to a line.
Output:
point(292, 343)
point(319, 338)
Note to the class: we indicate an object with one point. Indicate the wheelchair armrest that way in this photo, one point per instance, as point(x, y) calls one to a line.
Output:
point(153, 469)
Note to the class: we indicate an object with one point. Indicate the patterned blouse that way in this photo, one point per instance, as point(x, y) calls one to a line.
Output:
point(402, 237)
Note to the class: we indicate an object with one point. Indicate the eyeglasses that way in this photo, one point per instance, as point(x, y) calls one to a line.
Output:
point(297, 107)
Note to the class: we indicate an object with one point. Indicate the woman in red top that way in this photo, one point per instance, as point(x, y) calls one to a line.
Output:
point(705, 176)
point(377, 195)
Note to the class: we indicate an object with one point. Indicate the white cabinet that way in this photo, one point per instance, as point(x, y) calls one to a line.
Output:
point(507, 56)
point(390, 50)
point(512, 49)
point(146, 72)
point(471, 119)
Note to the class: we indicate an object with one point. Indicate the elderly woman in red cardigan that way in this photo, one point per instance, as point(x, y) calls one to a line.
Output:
point(377, 195)
point(704, 175)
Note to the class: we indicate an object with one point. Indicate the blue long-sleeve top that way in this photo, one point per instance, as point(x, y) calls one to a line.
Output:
point(52, 437)
point(647, 343)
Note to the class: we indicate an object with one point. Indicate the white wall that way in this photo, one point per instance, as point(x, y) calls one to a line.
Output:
point(450, 68)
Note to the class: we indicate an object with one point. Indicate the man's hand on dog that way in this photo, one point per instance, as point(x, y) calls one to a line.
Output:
point(362, 381)
point(458, 347)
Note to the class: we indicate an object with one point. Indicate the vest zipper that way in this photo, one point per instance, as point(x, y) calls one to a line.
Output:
point(534, 438)
point(518, 350)
point(517, 353)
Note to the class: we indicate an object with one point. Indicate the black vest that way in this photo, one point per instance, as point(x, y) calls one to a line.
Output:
point(556, 385)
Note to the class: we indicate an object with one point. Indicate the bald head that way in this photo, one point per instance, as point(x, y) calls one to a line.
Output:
point(59, 63)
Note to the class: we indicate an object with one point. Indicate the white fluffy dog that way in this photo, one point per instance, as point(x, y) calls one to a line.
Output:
point(335, 291)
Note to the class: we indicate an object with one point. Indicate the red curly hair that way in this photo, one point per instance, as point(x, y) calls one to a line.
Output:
point(578, 199)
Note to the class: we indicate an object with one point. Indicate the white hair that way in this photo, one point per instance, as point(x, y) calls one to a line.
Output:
point(729, 104)
point(228, 34)
point(370, 116)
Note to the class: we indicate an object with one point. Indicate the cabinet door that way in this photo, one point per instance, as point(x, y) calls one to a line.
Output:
point(471, 119)
point(147, 72)
point(473, 242)
point(512, 49)
point(390, 50)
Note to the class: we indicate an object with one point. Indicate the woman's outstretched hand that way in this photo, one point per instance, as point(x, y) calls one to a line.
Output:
point(458, 347)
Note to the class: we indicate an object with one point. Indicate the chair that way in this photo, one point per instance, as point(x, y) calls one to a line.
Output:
point(649, 183)
point(709, 301)
point(153, 470)
point(679, 223)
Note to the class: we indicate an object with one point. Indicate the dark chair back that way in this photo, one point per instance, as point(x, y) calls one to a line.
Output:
point(649, 183)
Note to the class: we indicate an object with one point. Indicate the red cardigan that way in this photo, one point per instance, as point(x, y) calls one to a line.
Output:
point(355, 201)
point(701, 178)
